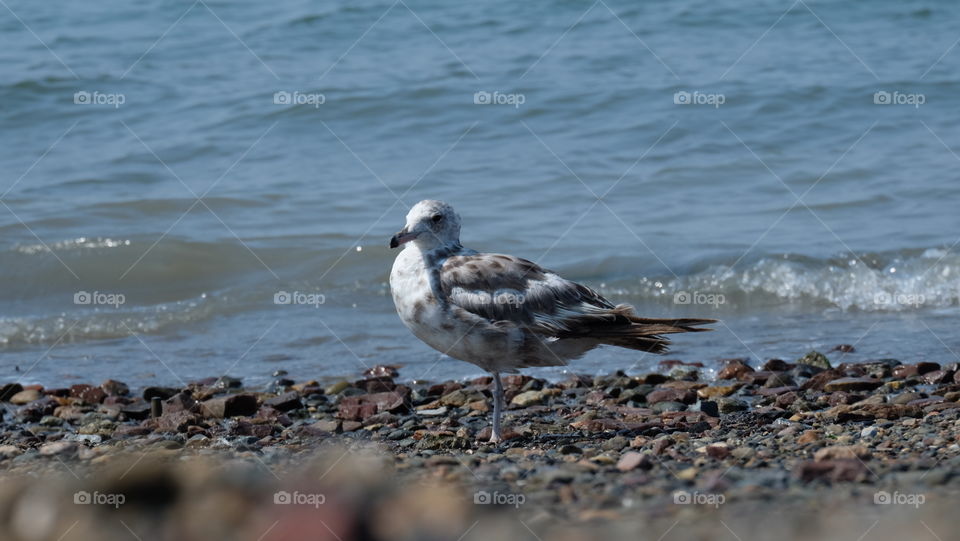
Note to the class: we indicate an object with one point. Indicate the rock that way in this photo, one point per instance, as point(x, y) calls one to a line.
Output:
point(718, 391)
point(376, 385)
point(852, 384)
point(360, 407)
point(570, 450)
point(810, 436)
point(734, 369)
point(844, 348)
point(880, 368)
point(58, 448)
point(285, 402)
point(115, 388)
point(842, 452)
point(528, 398)
point(776, 365)
point(7, 390)
point(35, 410)
point(615, 443)
point(9, 451)
point(937, 377)
point(632, 460)
point(815, 359)
point(455, 399)
point(183, 401)
point(326, 425)
point(831, 470)
point(909, 370)
point(225, 383)
point(869, 432)
point(25, 397)
point(906, 398)
point(163, 393)
point(757, 378)
point(336, 388)
point(380, 371)
point(50, 420)
point(434, 412)
point(137, 411)
point(779, 381)
point(479, 405)
point(88, 393)
point(685, 396)
point(661, 444)
point(176, 421)
point(719, 451)
point(709, 407)
point(662, 407)
point(730, 405)
point(230, 406)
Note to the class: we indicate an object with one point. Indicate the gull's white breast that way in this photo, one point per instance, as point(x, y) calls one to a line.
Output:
point(448, 329)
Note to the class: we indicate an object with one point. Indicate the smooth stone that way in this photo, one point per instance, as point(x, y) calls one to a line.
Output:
point(25, 397)
point(528, 398)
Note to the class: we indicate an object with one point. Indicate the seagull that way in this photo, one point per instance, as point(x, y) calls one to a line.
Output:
point(501, 312)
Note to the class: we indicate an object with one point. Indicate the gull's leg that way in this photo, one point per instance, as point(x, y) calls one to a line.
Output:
point(496, 436)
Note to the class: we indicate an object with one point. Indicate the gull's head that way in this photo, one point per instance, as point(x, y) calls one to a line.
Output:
point(430, 224)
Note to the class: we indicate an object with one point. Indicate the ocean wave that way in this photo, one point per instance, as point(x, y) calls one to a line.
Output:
point(894, 282)
point(102, 324)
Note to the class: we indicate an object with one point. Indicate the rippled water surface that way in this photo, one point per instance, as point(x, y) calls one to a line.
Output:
point(170, 167)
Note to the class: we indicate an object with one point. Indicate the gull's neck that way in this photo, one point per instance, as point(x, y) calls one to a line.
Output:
point(434, 256)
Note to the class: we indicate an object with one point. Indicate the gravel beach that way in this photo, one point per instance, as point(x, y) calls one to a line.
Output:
point(801, 449)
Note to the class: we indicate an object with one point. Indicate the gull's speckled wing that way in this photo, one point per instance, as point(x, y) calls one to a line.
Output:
point(500, 287)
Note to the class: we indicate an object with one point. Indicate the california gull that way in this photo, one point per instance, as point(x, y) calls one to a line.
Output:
point(502, 312)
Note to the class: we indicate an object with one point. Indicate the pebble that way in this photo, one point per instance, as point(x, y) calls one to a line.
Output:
point(25, 397)
point(528, 398)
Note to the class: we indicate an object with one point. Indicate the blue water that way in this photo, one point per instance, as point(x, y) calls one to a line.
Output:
point(785, 201)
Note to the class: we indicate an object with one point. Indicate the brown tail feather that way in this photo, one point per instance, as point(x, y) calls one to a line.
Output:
point(627, 330)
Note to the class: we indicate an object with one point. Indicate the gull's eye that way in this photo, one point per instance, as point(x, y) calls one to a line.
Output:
point(436, 218)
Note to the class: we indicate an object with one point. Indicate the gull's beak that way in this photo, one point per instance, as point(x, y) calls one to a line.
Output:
point(402, 236)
